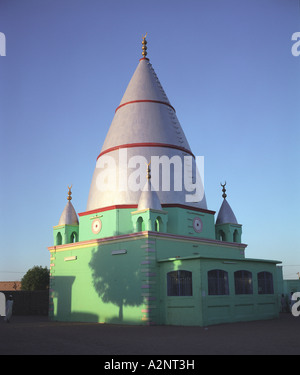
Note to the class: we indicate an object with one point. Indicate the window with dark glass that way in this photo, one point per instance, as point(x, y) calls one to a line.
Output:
point(73, 237)
point(218, 282)
point(179, 283)
point(140, 224)
point(236, 236)
point(58, 239)
point(243, 282)
point(265, 283)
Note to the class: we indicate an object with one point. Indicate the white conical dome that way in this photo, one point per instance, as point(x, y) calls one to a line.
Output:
point(145, 114)
point(68, 215)
point(144, 125)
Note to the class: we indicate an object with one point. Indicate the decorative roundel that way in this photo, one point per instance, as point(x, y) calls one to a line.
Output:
point(197, 224)
point(96, 226)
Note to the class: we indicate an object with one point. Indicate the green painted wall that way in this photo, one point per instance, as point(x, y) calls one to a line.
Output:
point(66, 232)
point(114, 222)
point(124, 280)
point(168, 248)
point(234, 307)
point(97, 285)
point(291, 286)
point(180, 310)
point(180, 221)
point(204, 309)
point(231, 232)
point(121, 221)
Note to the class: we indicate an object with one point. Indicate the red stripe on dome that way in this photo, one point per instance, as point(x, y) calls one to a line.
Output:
point(145, 101)
point(146, 144)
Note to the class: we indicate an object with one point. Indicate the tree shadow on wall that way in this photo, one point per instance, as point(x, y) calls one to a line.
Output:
point(117, 279)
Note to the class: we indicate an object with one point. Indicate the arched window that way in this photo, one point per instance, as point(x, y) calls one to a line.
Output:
point(179, 283)
point(236, 236)
point(140, 224)
point(218, 282)
point(158, 224)
point(265, 283)
point(243, 282)
point(73, 237)
point(58, 239)
point(222, 236)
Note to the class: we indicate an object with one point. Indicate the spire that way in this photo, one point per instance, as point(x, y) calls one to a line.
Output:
point(68, 215)
point(148, 171)
point(149, 197)
point(225, 214)
point(224, 190)
point(69, 193)
point(144, 47)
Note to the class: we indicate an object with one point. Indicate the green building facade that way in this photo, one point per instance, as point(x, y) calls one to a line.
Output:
point(150, 256)
point(178, 276)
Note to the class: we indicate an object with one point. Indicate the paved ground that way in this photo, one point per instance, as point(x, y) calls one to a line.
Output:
point(38, 335)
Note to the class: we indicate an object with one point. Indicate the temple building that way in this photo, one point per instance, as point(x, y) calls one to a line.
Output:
point(147, 250)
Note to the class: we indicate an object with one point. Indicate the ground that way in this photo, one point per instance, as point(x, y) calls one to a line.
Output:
point(38, 335)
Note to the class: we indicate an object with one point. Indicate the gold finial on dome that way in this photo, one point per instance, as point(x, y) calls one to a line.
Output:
point(224, 190)
point(69, 193)
point(144, 47)
point(148, 171)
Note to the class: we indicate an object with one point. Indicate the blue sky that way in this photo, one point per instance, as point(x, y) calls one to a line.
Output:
point(226, 67)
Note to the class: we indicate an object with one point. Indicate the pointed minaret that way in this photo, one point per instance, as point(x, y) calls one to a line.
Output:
point(149, 215)
point(149, 197)
point(68, 215)
point(67, 229)
point(227, 227)
point(144, 125)
point(225, 214)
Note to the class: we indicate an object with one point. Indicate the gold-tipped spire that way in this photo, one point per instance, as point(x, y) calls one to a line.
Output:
point(144, 47)
point(148, 171)
point(69, 193)
point(224, 195)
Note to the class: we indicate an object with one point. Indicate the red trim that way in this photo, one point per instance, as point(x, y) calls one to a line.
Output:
point(144, 58)
point(166, 205)
point(146, 144)
point(108, 208)
point(145, 101)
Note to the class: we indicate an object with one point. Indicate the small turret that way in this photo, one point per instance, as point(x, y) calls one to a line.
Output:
point(149, 197)
point(149, 215)
point(227, 227)
point(67, 230)
point(68, 215)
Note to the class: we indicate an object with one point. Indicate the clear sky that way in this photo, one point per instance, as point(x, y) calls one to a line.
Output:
point(226, 67)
